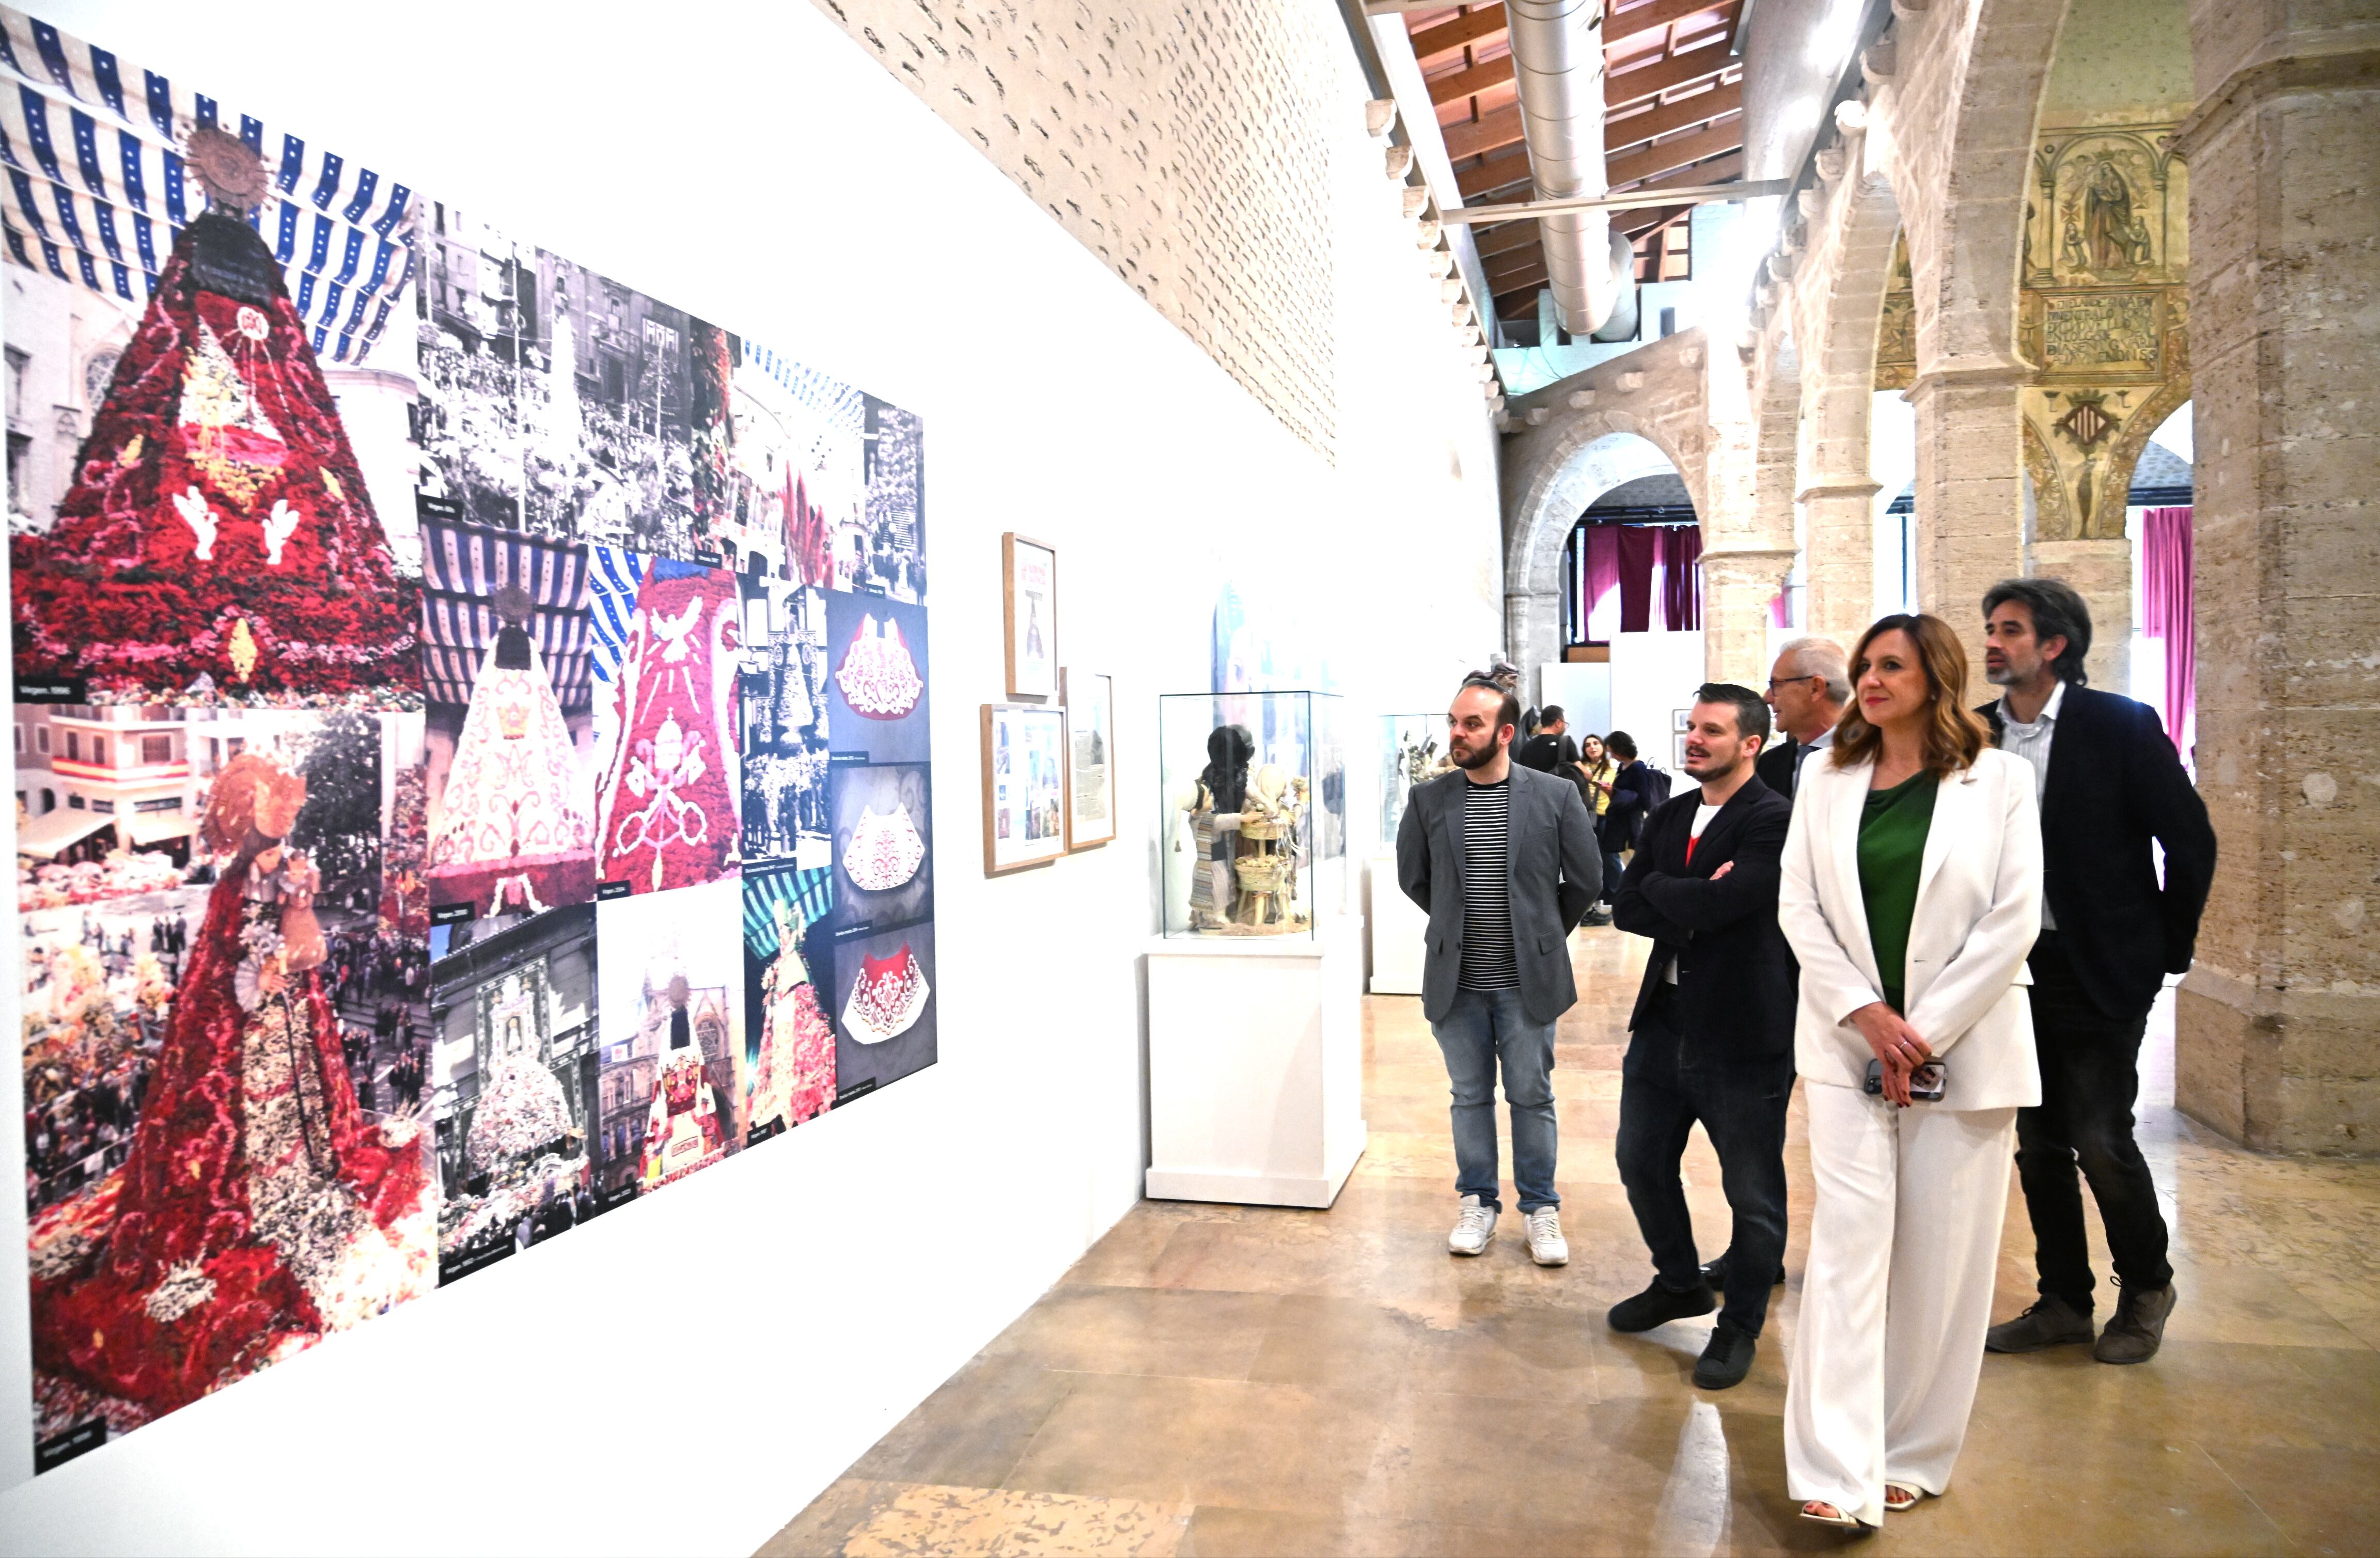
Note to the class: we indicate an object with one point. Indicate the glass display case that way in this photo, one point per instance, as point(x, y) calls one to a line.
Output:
point(1255, 825)
point(1413, 748)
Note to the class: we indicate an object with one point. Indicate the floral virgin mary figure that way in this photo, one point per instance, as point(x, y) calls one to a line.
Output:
point(513, 810)
point(259, 1208)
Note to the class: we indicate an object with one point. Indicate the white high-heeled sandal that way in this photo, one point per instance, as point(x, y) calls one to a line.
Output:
point(1833, 1517)
point(1910, 1495)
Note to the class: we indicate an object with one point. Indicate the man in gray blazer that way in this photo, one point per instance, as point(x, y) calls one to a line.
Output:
point(1503, 859)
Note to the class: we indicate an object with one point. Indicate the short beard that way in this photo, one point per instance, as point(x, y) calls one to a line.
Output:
point(1479, 758)
point(2004, 677)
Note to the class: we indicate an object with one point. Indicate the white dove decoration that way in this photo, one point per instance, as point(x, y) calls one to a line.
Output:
point(192, 507)
point(279, 526)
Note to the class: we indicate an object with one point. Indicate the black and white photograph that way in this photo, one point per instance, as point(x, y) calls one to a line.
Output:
point(883, 844)
point(782, 681)
point(514, 1012)
point(887, 556)
point(558, 402)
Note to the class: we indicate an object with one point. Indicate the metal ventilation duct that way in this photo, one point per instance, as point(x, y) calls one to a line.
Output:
point(1558, 67)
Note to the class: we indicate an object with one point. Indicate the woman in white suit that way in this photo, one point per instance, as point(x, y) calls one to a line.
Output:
point(1911, 892)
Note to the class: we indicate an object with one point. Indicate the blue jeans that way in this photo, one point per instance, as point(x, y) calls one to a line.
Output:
point(1484, 1027)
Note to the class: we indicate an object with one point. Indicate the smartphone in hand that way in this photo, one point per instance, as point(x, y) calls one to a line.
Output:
point(1925, 1083)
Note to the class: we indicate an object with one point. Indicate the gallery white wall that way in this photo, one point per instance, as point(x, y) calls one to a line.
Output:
point(683, 1377)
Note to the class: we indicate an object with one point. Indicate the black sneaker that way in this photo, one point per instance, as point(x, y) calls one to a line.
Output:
point(1715, 1275)
point(2050, 1322)
point(1659, 1305)
point(1728, 1357)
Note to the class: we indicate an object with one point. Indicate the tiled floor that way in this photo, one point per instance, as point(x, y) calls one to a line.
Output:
point(1216, 1380)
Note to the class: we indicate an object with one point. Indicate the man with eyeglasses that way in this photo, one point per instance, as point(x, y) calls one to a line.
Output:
point(1808, 688)
point(1503, 861)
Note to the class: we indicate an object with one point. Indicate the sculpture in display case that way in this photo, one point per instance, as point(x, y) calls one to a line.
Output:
point(1256, 833)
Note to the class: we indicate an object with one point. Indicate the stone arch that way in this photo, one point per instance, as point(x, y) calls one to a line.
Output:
point(1557, 479)
point(2124, 450)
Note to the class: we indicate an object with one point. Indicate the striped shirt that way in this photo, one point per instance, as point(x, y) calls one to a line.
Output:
point(2032, 743)
point(1489, 959)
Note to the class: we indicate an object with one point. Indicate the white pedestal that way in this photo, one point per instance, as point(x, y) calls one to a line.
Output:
point(1398, 928)
point(1255, 1066)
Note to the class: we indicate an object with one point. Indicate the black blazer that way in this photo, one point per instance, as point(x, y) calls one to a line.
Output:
point(1627, 804)
point(1736, 973)
point(1554, 870)
point(1775, 765)
point(2115, 783)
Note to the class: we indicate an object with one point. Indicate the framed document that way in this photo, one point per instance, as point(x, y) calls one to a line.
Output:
point(1024, 786)
point(1029, 579)
point(1089, 701)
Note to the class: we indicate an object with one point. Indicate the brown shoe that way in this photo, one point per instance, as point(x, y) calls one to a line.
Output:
point(2138, 1328)
point(2050, 1322)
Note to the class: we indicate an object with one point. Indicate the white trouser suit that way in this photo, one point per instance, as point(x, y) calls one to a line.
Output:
point(1904, 1238)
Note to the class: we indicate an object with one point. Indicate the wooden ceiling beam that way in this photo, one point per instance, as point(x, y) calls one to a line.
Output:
point(1451, 35)
point(1507, 172)
point(1622, 29)
point(1505, 239)
point(1619, 135)
point(1528, 270)
point(1478, 137)
point(1644, 220)
point(1476, 78)
point(1652, 162)
point(1698, 64)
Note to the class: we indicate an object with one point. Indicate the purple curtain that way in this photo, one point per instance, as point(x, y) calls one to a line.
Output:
point(1681, 577)
point(1640, 548)
point(2167, 595)
point(1602, 583)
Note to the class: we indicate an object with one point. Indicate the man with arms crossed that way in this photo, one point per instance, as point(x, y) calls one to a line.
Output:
point(2109, 782)
point(1503, 859)
point(1712, 1035)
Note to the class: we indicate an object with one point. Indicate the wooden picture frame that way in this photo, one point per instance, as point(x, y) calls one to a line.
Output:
point(1028, 582)
point(1025, 771)
point(1093, 720)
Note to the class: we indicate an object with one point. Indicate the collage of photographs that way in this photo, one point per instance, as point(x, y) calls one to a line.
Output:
point(471, 738)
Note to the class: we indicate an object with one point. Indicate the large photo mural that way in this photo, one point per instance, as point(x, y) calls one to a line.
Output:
point(470, 736)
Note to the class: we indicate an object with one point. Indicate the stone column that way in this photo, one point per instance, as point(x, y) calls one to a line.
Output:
point(1839, 556)
point(1531, 635)
point(2102, 572)
point(1737, 587)
point(1970, 497)
point(2279, 1023)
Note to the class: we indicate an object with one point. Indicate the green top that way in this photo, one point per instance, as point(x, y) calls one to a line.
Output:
point(1893, 824)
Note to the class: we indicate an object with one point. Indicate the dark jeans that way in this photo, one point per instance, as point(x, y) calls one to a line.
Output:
point(1485, 1029)
point(1670, 1081)
point(1611, 866)
point(2090, 1076)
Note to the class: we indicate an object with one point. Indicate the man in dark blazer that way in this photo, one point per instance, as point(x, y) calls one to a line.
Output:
point(1808, 688)
point(2109, 783)
point(1503, 861)
point(1712, 1035)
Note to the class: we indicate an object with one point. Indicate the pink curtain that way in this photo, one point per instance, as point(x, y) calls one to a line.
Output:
point(1602, 613)
point(2167, 595)
point(1640, 548)
point(1681, 577)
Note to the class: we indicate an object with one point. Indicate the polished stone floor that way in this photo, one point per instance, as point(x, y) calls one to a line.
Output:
point(1216, 1380)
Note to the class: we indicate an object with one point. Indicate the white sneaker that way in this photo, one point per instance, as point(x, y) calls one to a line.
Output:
point(1472, 1229)
point(1546, 1246)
